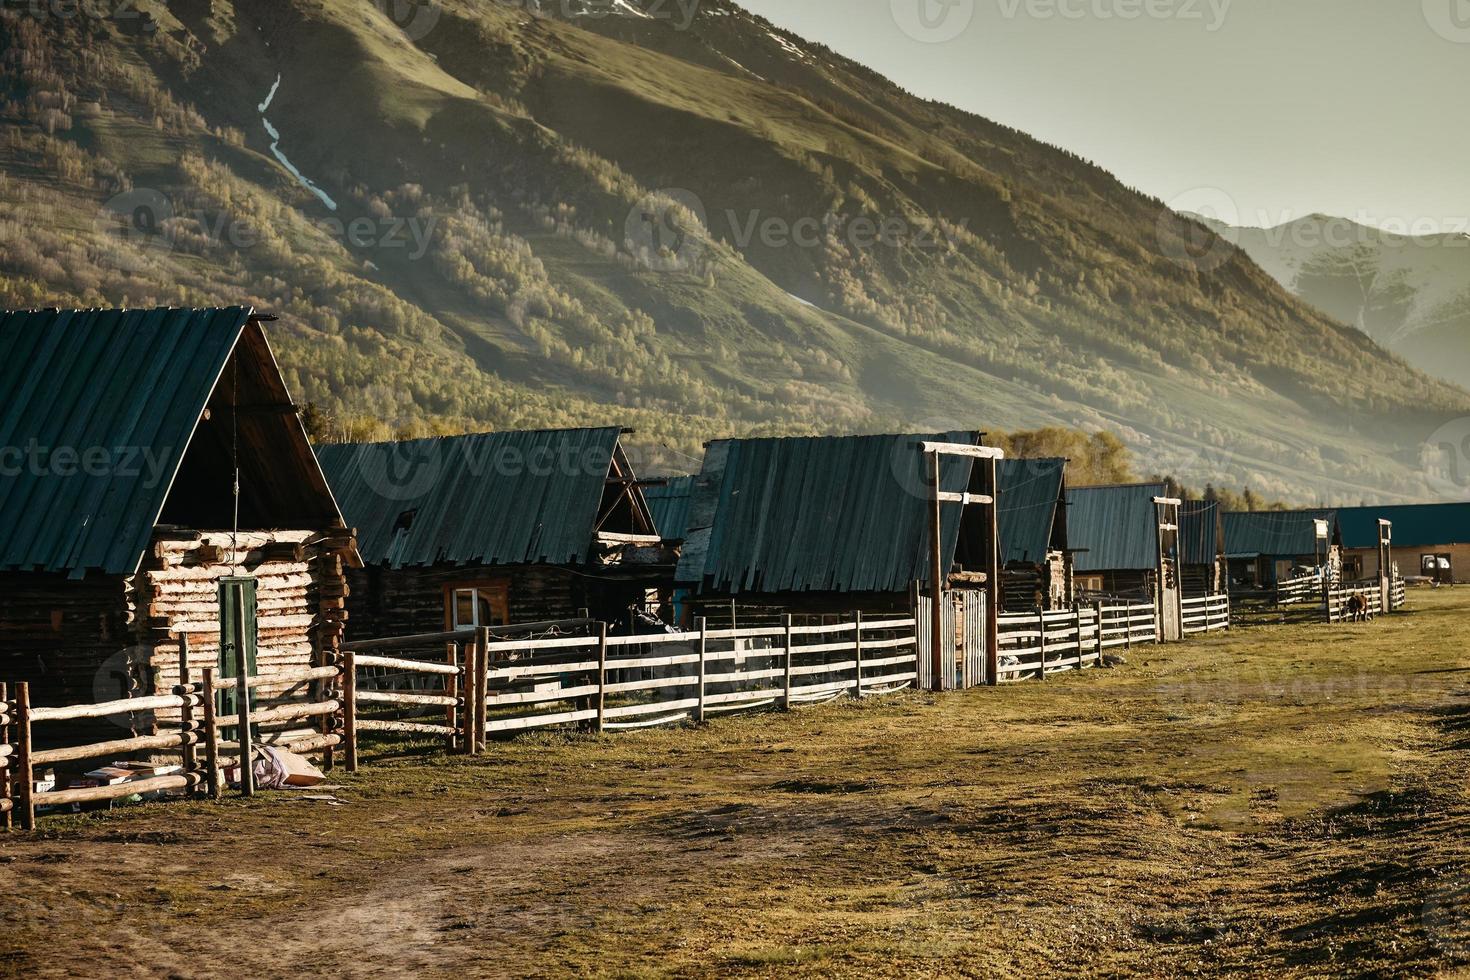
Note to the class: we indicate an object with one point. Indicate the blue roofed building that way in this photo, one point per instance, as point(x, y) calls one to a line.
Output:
point(1036, 567)
point(1430, 541)
point(496, 529)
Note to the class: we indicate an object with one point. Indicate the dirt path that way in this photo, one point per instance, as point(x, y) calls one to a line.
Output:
point(1289, 801)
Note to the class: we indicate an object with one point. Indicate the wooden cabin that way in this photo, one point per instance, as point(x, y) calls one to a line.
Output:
point(1430, 541)
point(1265, 548)
point(495, 529)
point(1113, 532)
point(122, 437)
point(1037, 568)
point(1202, 565)
point(822, 527)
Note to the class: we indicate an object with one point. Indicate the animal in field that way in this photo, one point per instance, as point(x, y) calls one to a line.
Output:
point(1357, 609)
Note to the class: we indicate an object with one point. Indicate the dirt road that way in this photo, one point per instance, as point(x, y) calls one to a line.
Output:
point(1284, 801)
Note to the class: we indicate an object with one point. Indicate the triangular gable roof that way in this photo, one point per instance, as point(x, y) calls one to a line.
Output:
point(1030, 492)
point(1114, 528)
point(493, 498)
point(1414, 525)
point(824, 514)
point(1287, 533)
point(101, 408)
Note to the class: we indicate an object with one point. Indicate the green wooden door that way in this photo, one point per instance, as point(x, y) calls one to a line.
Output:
point(237, 638)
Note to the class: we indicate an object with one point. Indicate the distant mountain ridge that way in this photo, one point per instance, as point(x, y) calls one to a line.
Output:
point(500, 215)
point(1411, 294)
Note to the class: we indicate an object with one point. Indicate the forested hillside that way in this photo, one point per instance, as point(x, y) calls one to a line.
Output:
point(476, 215)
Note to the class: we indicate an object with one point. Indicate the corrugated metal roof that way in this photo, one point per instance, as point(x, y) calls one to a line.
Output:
point(1117, 525)
point(1414, 525)
point(496, 498)
point(1199, 532)
point(1289, 533)
point(127, 382)
point(670, 506)
point(833, 514)
point(1030, 490)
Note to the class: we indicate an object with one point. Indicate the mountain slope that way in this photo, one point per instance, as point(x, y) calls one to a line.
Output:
point(479, 216)
point(1409, 293)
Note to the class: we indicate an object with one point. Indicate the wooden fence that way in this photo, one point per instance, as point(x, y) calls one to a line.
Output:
point(1337, 601)
point(1035, 645)
point(1205, 614)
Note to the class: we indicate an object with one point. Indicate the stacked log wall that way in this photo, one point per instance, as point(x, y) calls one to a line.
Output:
point(406, 601)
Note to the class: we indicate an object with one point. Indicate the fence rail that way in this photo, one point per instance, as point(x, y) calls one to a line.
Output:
point(1205, 614)
point(1338, 599)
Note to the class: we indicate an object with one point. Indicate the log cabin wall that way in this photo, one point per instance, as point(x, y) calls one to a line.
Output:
point(68, 638)
point(300, 603)
point(406, 601)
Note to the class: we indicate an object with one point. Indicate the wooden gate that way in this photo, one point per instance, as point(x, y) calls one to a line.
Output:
point(962, 640)
point(1168, 596)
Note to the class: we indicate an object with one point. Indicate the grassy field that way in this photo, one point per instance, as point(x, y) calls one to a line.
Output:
point(1288, 801)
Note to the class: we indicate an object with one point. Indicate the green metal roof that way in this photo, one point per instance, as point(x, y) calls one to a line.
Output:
point(1199, 532)
point(1285, 533)
point(1414, 525)
point(1030, 490)
point(496, 498)
point(128, 383)
point(831, 514)
point(670, 506)
point(1116, 525)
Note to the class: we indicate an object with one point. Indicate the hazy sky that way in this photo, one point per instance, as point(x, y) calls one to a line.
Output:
point(1288, 107)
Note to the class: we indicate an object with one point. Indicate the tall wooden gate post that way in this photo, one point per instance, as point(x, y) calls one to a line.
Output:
point(988, 459)
point(1385, 558)
point(1168, 590)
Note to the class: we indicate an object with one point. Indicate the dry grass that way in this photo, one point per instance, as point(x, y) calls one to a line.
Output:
point(1287, 800)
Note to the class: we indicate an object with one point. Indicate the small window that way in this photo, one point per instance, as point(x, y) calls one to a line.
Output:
point(478, 604)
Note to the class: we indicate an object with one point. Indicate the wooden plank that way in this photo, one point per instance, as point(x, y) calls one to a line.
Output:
point(601, 677)
point(412, 666)
point(107, 708)
point(786, 661)
point(407, 727)
point(211, 736)
point(91, 794)
point(349, 708)
point(538, 721)
point(122, 746)
point(857, 643)
point(700, 628)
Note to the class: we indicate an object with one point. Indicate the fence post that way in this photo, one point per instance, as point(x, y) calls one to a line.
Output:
point(243, 735)
point(1128, 625)
point(7, 783)
point(701, 626)
point(25, 798)
point(857, 643)
point(1077, 614)
point(211, 734)
point(186, 713)
point(349, 710)
point(1097, 612)
point(602, 678)
point(451, 690)
point(1041, 642)
point(786, 680)
point(482, 685)
point(467, 674)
